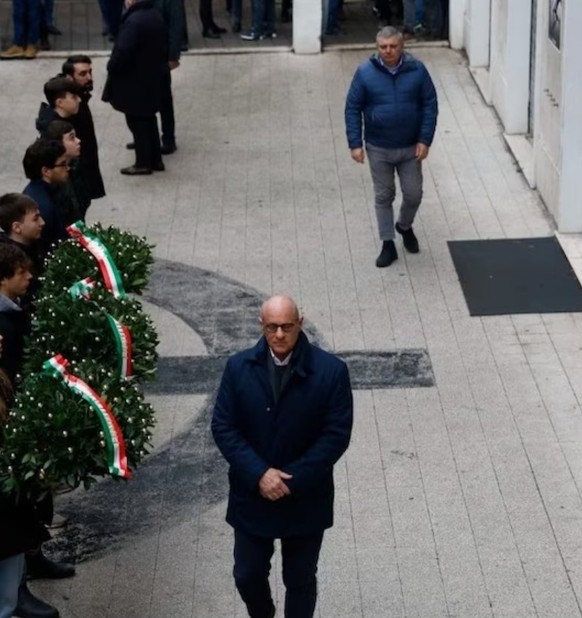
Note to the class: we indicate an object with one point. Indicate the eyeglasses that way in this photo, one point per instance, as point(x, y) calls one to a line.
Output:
point(273, 328)
point(63, 164)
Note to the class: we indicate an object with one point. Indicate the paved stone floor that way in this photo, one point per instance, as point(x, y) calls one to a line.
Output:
point(460, 499)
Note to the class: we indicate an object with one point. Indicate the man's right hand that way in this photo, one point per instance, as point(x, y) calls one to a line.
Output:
point(272, 486)
point(358, 155)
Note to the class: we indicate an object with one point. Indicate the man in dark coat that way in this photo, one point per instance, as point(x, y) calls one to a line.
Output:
point(46, 166)
point(134, 86)
point(283, 417)
point(78, 68)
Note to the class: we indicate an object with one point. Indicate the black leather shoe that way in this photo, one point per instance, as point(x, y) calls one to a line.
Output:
point(210, 34)
point(38, 566)
point(159, 167)
point(130, 145)
point(53, 30)
point(387, 255)
point(218, 30)
point(135, 171)
point(236, 27)
point(30, 606)
point(167, 149)
point(408, 239)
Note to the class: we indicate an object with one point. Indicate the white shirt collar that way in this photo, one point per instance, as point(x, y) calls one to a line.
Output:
point(281, 363)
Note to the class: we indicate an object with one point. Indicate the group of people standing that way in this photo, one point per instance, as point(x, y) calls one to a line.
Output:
point(62, 166)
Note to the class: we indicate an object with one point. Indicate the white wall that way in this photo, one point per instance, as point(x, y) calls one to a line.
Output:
point(477, 31)
point(307, 16)
point(570, 202)
point(456, 22)
point(547, 130)
point(510, 61)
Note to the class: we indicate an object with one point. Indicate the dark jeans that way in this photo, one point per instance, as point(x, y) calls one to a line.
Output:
point(147, 141)
point(252, 564)
point(263, 16)
point(167, 111)
point(235, 12)
point(333, 10)
point(26, 22)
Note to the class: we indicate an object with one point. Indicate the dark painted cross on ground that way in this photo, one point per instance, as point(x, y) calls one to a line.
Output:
point(190, 471)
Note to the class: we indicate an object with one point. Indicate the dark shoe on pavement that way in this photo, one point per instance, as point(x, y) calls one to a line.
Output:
point(210, 34)
point(236, 28)
point(408, 238)
point(132, 170)
point(53, 30)
point(30, 606)
point(130, 145)
point(38, 566)
point(387, 255)
point(168, 148)
point(218, 29)
point(159, 167)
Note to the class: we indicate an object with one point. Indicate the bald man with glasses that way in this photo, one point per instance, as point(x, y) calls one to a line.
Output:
point(282, 419)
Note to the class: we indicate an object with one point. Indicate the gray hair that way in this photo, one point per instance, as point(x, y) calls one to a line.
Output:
point(387, 32)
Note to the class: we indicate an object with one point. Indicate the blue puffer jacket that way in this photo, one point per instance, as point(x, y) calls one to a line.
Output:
point(398, 110)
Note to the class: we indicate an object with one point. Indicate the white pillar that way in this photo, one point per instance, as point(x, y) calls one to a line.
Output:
point(456, 23)
point(570, 203)
point(510, 62)
point(307, 16)
point(477, 36)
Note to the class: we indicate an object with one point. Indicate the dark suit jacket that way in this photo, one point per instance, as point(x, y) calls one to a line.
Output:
point(138, 61)
point(304, 434)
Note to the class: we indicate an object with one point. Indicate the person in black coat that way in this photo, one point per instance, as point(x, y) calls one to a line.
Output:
point(283, 417)
point(78, 68)
point(134, 86)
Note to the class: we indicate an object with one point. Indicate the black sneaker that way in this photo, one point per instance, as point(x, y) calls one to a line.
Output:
point(387, 255)
point(408, 238)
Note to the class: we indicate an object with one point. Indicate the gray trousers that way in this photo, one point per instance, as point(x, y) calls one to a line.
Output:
point(383, 162)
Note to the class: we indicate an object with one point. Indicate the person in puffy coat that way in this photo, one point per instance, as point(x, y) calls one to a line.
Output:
point(392, 107)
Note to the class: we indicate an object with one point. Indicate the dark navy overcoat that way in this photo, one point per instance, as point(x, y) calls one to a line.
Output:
point(138, 62)
point(304, 434)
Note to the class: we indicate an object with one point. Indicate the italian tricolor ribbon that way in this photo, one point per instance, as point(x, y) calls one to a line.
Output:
point(121, 334)
point(109, 271)
point(82, 289)
point(116, 457)
point(123, 344)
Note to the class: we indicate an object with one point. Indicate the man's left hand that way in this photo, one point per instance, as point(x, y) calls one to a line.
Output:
point(421, 151)
point(174, 64)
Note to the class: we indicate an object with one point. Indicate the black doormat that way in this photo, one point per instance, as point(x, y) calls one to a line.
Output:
point(524, 275)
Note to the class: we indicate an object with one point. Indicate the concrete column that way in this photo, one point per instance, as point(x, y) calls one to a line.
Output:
point(510, 62)
point(570, 202)
point(456, 23)
point(477, 35)
point(307, 16)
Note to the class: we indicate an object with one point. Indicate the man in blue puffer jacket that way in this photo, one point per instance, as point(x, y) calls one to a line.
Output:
point(394, 95)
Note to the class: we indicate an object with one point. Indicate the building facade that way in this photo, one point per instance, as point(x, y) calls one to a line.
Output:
point(526, 56)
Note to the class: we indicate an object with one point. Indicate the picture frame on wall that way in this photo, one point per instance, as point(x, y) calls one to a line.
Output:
point(555, 22)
